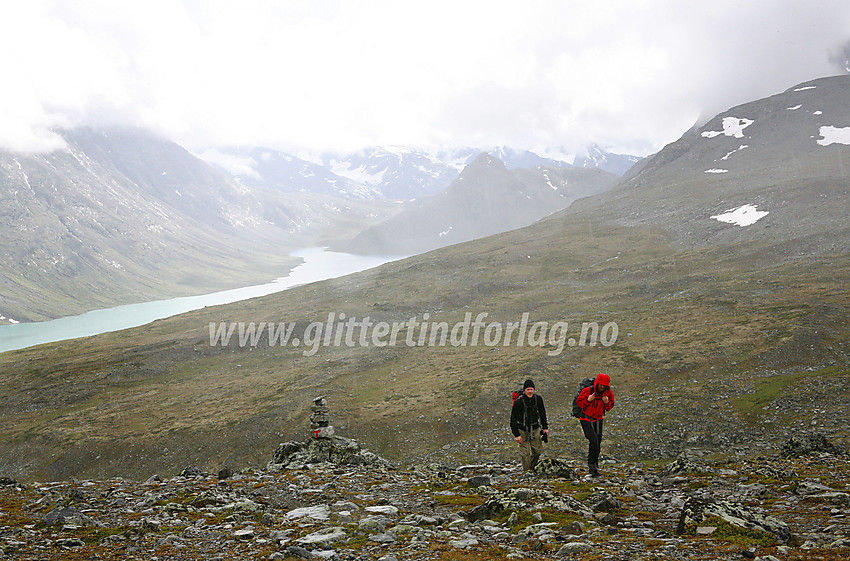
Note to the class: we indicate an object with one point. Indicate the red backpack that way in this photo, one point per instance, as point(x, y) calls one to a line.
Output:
point(515, 394)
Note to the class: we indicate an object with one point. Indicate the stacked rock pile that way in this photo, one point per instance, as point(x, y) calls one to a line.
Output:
point(320, 419)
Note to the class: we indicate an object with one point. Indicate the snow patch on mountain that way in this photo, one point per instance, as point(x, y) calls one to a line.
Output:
point(732, 126)
point(23, 174)
point(745, 215)
point(359, 174)
point(4, 318)
point(549, 181)
point(716, 170)
point(805, 88)
point(834, 135)
point(741, 147)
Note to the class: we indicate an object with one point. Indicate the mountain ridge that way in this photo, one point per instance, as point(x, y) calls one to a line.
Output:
point(765, 153)
point(130, 216)
point(485, 199)
point(403, 173)
point(122, 215)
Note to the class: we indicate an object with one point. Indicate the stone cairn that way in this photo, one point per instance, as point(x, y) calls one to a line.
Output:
point(320, 420)
point(322, 446)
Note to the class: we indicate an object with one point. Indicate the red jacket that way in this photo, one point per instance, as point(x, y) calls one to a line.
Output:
point(595, 410)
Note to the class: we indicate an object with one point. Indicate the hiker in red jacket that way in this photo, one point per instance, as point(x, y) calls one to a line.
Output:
point(594, 401)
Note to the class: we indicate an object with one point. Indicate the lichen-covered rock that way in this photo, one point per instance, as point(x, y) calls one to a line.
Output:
point(335, 450)
point(193, 472)
point(797, 446)
point(526, 498)
point(323, 537)
point(317, 512)
point(697, 510)
point(68, 515)
point(808, 487)
point(604, 500)
point(774, 472)
point(553, 467)
point(488, 510)
point(573, 548)
point(284, 452)
point(479, 481)
point(681, 465)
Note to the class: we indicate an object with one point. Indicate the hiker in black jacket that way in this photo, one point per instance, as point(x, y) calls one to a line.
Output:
point(528, 423)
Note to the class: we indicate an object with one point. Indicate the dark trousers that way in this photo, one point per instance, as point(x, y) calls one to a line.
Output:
point(593, 434)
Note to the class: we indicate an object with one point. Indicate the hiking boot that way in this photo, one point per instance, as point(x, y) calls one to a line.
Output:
point(594, 470)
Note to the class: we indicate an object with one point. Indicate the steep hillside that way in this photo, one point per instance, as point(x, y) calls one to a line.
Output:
point(77, 236)
point(124, 216)
point(254, 212)
point(785, 155)
point(485, 199)
point(168, 174)
point(717, 336)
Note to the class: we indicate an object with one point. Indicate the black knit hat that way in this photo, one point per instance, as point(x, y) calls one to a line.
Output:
point(528, 384)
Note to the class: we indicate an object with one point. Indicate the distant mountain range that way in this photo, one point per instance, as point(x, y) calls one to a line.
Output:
point(390, 172)
point(123, 215)
point(487, 198)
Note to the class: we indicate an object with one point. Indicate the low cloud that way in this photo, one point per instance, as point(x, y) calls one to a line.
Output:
point(631, 76)
point(840, 58)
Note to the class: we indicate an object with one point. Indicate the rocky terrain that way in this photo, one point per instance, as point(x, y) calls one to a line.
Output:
point(330, 499)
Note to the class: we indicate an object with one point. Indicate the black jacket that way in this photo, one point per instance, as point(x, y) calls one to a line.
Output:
point(527, 414)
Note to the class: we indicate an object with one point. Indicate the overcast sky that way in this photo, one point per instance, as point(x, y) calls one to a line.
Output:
point(337, 75)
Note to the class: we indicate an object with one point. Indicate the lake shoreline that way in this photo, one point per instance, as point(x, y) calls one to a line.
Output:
point(317, 264)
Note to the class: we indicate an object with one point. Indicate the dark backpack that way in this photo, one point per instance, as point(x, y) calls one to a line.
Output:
point(586, 383)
